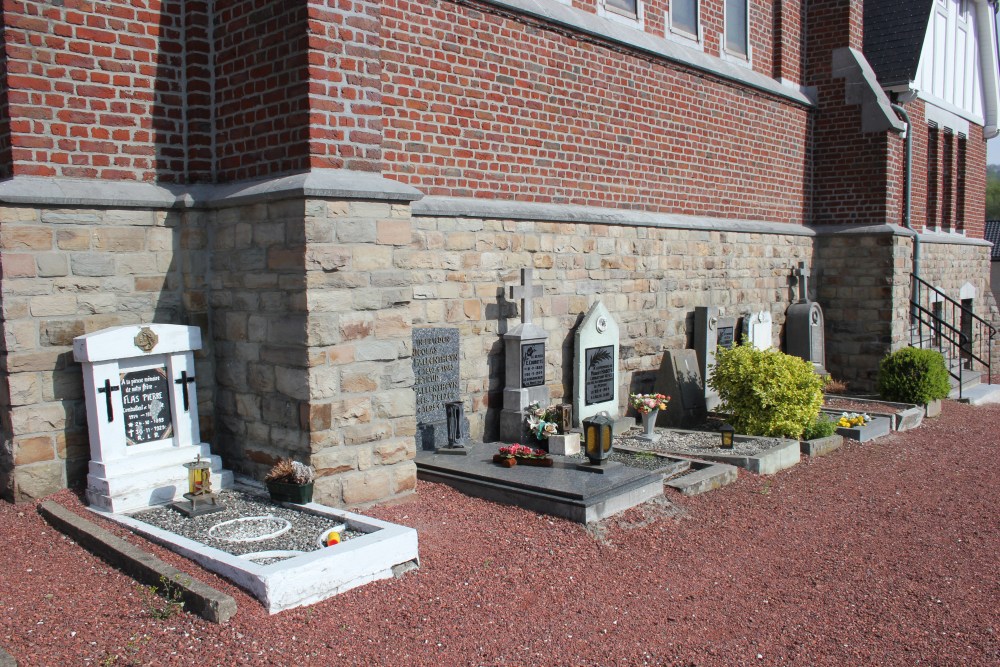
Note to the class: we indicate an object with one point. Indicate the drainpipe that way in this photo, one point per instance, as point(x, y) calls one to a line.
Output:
point(985, 16)
point(908, 186)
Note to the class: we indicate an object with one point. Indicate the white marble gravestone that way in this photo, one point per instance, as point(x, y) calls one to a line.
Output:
point(142, 415)
point(758, 329)
point(595, 383)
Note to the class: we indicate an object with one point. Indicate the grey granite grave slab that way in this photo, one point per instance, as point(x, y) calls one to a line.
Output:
point(436, 382)
point(562, 490)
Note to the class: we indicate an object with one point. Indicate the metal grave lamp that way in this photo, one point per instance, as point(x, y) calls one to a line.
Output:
point(727, 432)
point(598, 436)
point(199, 490)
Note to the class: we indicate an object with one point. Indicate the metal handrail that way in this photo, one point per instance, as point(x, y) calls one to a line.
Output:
point(951, 340)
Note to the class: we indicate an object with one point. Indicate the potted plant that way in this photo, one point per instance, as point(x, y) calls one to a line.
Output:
point(291, 482)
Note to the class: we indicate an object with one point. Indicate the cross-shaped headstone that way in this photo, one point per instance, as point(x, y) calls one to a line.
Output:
point(183, 381)
point(526, 291)
point(802, 274)
point(106, 390)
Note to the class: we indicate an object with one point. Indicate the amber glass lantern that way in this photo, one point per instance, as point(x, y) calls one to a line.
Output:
point(597, 432)
point(727, 432)
point(199, 478)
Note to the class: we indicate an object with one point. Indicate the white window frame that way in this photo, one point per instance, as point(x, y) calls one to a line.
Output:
point(682, 33)
point(727, 53)
point(623, 16)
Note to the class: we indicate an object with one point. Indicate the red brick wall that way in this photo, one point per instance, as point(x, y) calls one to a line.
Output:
point(261, 87)
point(478, 104)
point(851, 169)
point(91, 93)
point(345, 92)
point(788, 36)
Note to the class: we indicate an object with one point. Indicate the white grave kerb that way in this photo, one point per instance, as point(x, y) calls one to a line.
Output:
point(142, 414)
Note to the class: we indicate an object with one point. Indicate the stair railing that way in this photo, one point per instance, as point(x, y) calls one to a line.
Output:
point(942, 323)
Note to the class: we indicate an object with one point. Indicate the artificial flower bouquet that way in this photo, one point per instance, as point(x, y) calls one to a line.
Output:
point(543, 422)
point(646, 403)
point(851, 419)
point(511, 455)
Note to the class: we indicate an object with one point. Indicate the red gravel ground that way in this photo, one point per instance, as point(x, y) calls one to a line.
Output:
point(880, 554)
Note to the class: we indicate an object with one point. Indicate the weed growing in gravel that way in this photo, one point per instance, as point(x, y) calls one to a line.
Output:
point(126, 658)
point(172, 601)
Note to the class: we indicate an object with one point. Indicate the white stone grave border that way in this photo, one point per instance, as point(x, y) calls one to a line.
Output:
point(306, 579)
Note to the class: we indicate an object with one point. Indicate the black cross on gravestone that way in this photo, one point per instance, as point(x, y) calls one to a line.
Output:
point(802, 274)
point(526, 291)
point(106, 390)
point(183, 381)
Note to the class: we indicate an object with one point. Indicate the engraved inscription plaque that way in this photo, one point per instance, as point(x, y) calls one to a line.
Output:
point(599, 376)
point(533, 365)
point(435, 382)
point(146, 404)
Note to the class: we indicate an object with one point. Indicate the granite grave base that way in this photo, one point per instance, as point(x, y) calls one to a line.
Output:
point(876, 428)
point(561, 490)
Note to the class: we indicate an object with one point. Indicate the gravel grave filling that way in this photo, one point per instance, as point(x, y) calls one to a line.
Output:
point(695, 443)
point(250, 524)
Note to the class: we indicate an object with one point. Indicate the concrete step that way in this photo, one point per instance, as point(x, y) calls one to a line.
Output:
point(970, 379)
point(979, 395)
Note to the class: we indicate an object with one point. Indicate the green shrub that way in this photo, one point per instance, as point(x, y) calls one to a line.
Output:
point(821, 427)
point(911, 375)
point(767, 392)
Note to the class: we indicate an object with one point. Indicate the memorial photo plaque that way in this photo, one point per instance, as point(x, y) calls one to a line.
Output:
point(146, 404)
point(533, 365)
point(600, 374)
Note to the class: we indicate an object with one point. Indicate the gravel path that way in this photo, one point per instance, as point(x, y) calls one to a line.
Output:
point(878, 554)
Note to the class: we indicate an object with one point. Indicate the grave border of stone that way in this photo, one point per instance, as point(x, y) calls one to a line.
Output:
point(306, 579)
point(879, 426)
point(821, 446)
point(905, 416)
point(767, 462)
point(701, 476)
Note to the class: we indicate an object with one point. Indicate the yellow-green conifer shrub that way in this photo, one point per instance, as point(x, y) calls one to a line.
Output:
point(767, 392)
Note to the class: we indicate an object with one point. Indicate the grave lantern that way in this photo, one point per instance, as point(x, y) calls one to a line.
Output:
point(199, 477)
point(727, 432)
point(199, 490)
point(597, 432)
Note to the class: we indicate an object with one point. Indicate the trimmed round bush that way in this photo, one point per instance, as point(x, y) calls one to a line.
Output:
point(912, 375)
point(767, 392)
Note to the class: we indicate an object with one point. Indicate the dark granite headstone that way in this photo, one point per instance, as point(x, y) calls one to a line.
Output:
point(436, 382)
point(146, 405)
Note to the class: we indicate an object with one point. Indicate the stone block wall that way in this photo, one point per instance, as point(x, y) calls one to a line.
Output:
point(68, 272)
point(863, 284)
point(311, 322)
point(650, 278)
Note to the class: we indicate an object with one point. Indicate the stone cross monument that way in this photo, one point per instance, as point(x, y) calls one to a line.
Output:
point(804, 325)
point(524, 347)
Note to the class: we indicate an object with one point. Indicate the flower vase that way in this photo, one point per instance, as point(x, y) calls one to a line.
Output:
point(649, 424)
